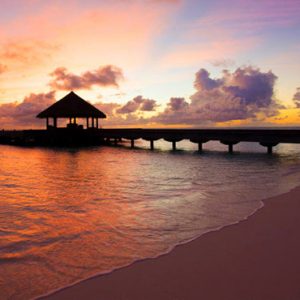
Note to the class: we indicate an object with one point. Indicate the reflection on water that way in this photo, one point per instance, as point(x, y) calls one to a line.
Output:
point(67, 214)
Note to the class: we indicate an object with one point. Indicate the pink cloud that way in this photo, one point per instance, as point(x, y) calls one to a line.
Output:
point(296, 98)
point(23, 115)
point(137, 104)
point(117, 119)
point(104, 76)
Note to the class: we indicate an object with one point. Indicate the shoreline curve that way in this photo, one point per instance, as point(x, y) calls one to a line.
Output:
point(159, 277)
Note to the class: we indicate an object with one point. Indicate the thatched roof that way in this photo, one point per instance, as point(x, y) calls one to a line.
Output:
point(71, 106)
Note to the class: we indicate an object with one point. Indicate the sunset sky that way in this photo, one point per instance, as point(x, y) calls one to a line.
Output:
point(153, 62)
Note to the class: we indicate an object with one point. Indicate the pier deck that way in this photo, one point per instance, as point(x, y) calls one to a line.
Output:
point(266, 137)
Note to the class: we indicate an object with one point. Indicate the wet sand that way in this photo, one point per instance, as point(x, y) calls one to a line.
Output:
point(258, 258)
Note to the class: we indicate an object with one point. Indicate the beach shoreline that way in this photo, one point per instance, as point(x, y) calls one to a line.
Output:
point(256, 258)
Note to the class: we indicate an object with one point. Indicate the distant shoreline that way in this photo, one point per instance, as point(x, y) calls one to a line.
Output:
point(254, 259)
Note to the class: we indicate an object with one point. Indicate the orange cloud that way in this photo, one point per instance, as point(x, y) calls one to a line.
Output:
point(26, 51)
point(3, 68)
point(116, 32)
point(80, 38)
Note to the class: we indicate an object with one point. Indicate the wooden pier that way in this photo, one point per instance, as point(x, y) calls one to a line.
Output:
point(230, 137)
point(94, 136)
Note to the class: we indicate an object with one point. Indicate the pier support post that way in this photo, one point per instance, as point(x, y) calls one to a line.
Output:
point(200, 147)
point(270, 149)
point(269, 146)
point(199, 142)
point(229, 144)
point(173, 139)
point(132, 143)
point(173, 145)
point(152, 145)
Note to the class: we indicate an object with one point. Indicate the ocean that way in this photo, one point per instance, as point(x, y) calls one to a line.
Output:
point(68, 214)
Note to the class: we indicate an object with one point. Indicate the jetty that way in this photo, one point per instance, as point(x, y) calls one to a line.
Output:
point(72, 107)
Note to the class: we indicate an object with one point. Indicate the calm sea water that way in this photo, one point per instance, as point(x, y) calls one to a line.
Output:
point(68, 214)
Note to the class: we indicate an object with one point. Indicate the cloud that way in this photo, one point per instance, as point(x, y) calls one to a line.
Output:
point(3, 68)
point(246, 93)
point(296, 98)
point(104, 76)
point(27, 51)
point(177, 104)
point(23, 115)
point(108, 108)
point(129, 114)
point(116, 119)
point(137, 104)
point(222, 62)
point(204, 82)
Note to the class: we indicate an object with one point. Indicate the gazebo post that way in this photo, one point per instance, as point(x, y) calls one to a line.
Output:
point(97, 124)
point(47, 122)
point(55, 122)
point(74, 120)
point(93, 122)
point(70, 120)
point(87, 122)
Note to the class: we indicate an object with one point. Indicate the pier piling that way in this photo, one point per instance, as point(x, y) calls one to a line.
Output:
point(152, 145)
point(269, 146)
point(199, 142)
point(173, 145)
point(230, 144)
point(132, 143)
point(270, 149)
point(200, 147)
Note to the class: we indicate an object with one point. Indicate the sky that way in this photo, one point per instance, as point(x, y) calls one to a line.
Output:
point(153, 63)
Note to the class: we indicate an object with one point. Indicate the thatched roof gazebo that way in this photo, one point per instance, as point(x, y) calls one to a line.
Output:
point(72, 106)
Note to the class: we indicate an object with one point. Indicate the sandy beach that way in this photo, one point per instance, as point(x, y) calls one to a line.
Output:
point(258, 258)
